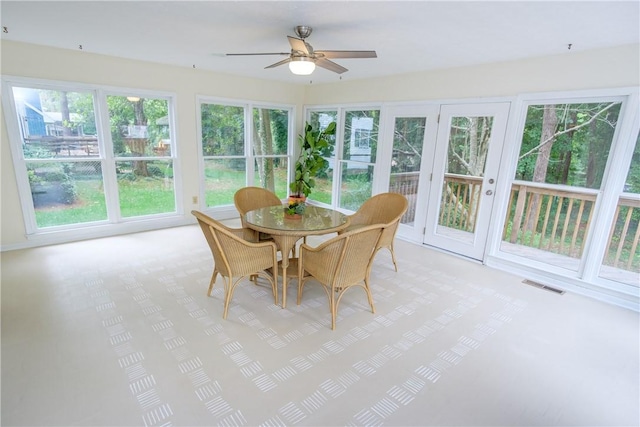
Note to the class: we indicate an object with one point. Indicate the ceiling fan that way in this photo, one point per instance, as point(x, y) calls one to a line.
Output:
point(303, 58)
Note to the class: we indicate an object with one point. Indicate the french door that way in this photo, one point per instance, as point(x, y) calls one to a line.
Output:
point(466, 159)
point(444, 160)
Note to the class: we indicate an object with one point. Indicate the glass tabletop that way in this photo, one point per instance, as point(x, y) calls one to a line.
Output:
point(315, 218)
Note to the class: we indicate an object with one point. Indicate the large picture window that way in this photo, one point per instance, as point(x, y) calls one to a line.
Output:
point(563, 164)
point(66, 162)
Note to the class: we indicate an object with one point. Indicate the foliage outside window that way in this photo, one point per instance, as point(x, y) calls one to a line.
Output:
point(623, 249)
point(357, 164)
point(59, 142)
point(469, 139)
point(142, 150)
point(406, 160)
point(64, 157)
point(223, 151)
point(270, 147)
point(563, 156)
point(232, 162)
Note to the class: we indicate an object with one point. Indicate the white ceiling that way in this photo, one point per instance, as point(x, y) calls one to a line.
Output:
point(407, 35)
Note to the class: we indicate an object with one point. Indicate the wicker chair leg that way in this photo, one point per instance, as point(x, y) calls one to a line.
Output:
point(369, 296)
point(212, 282)
point(334, 308)
point(393, 257)
point(227, 296)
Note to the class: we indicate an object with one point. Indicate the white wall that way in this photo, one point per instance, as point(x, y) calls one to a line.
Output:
point(607, 68)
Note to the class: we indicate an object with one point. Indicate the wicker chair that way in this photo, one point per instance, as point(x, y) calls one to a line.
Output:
point(384, 208)
point(249, 198)
point(236, 258)
point(339, 264)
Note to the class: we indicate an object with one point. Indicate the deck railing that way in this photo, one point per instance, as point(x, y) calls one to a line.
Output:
point(558, 221)
point(622, 247)
point(406, 183)
point(460, 202)
point(549, 219)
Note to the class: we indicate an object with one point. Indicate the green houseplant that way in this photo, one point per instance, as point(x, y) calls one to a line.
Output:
point(313, 144)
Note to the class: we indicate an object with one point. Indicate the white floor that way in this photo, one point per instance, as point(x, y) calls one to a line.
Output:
point(120, 332)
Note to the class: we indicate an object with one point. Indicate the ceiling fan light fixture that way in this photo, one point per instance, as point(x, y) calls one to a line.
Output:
point(302, 66)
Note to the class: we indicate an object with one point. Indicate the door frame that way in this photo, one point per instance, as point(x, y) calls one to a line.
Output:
point(415, 231)
point(476, 248)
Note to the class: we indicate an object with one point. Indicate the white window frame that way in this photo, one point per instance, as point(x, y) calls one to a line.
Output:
point(248, 156)
point(106, 159)
point(586, 279)
point(338, 151)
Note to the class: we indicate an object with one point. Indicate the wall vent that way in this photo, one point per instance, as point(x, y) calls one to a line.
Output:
point(541, 286)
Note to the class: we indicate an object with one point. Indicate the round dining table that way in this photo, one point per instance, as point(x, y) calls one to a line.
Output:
point(286, 231)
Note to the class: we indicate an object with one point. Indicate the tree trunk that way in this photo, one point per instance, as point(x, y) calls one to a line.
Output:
point(566, 155)
point(549, 123)
point(591, 159)
point(268, 171)
point(140, 166)
point(66, 115)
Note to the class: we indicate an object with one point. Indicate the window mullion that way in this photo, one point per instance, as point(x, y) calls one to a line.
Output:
point(248, 144)
point(107, 158)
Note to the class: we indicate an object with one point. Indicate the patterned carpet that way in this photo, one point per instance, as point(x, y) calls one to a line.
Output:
point(119, 331)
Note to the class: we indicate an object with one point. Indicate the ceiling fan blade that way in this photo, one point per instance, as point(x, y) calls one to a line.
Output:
point(255, 54)
point(277, 64)
point(331, 54)
point(298, 45)
point(331, 66)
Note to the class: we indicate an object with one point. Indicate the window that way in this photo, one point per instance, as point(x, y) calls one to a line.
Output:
point(622, 258)
point(347, 181)
point(563, 156)
point(406, 161)
point(66, 166)
point(142, 154)
point(235, 136)
point(270, 147)
point(357, 164)
point(323, 190)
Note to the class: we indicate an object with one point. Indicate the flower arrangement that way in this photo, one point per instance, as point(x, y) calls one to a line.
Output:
point(294, 207)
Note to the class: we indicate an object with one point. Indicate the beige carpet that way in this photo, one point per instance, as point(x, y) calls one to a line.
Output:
point(119, 331)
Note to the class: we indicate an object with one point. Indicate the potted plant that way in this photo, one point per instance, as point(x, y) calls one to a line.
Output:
point(313, 144)
point(294, 208)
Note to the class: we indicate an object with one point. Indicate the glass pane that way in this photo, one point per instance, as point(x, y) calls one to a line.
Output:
point(469, 139)
point(622, 258)
point(67, 192)
point(361, 135)
point(56, 124)
point(408, 138)
point(148, 194)
point(271, 131)
point(222, 130)
point(567, 144)
point(320, 120)
point(222, 178)
point(356, 185)
point(271, 173)
point(139, 126)
point(632, 183)
point(563, 145)
point(323, 190)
